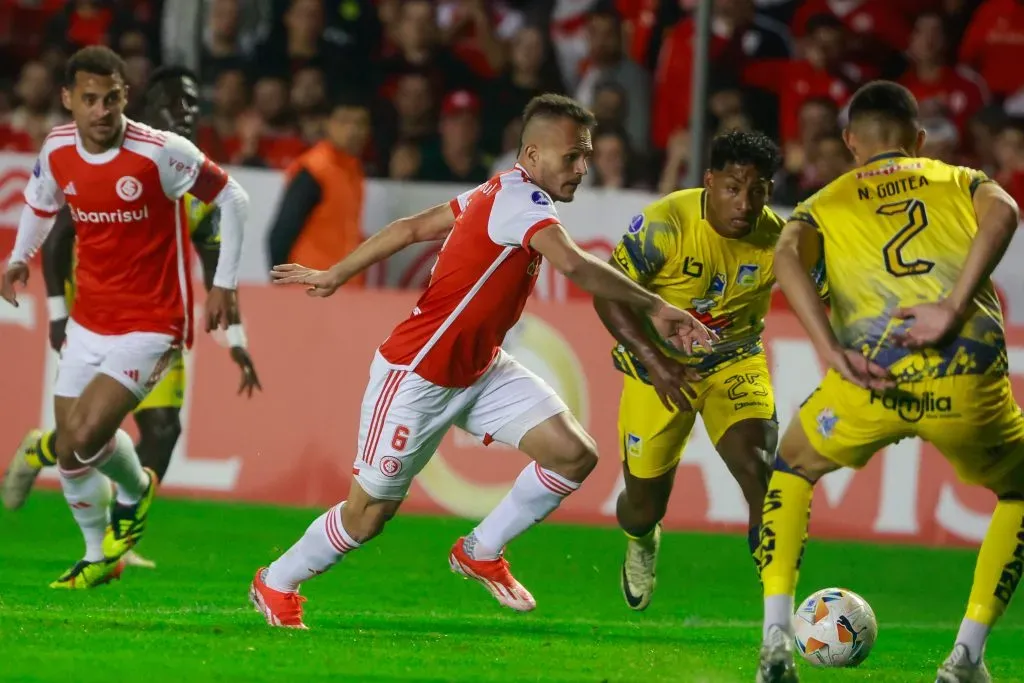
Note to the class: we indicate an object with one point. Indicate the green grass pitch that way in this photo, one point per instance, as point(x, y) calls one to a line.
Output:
point(393, 610)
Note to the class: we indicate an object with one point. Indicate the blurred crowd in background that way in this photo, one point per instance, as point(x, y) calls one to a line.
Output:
point(444, 81)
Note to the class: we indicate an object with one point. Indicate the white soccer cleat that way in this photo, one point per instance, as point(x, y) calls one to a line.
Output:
point(776, 664)
point(958, 668)
point(638, 570)
point(21, 475)
point(494, 575)
point(133, 559)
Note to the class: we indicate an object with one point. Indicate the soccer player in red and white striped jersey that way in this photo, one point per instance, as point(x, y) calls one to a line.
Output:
point(444, 365)
point(123, 182)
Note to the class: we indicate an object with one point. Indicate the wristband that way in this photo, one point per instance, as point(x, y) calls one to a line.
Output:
point(236, 336)
point(57, 307)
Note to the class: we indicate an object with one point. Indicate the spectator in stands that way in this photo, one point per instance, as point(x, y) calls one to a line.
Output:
point(456, 157)
point(476, 32)
point(827, 159)
point(1009, 155)
point(210, 36)
point(412, 115)
point(982, 132)
point(218, 133)
point(37, 112)
point(825, 71)
point(610, 105)
point(223, 44)
point(319, 218)
point(417, 49)
point(612, 166)
point(531, 71)
point(309, 102)
point(994, 45)
point(405, 161)
point(876, 30)
point(941, 91)
point(607, 61)
point(86, 22)
point(677, 157)
point(942, 141)
point(818, 116)
point(268, 134)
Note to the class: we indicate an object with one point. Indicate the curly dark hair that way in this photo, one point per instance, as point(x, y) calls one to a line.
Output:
point(97, 60)
point(746, 149)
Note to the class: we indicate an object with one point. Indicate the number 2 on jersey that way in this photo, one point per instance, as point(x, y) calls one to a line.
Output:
point(917, 222)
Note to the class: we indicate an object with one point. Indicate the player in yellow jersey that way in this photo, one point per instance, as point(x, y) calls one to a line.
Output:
point(916, 348)
point(710, 251)
point(171, 102)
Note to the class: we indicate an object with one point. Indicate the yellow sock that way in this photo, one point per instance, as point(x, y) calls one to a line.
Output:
point(787, 509)
point(41, 453)
point(1000, 564)
point(645, 537)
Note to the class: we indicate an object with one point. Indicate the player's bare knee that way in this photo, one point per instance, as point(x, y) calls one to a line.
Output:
point(363, 519)
point(578, 460)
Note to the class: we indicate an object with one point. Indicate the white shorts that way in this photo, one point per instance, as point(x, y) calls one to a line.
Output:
point(404, 418)
point(137, 360)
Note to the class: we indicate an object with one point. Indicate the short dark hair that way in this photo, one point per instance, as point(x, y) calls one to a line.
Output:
point(350, 99)
point(554, 106)
point(746, 149)
point(820, 21)
point(884, 100)
point(95, 59)
point(169, 73)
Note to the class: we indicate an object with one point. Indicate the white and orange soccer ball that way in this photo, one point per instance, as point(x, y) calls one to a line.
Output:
point(835, 628)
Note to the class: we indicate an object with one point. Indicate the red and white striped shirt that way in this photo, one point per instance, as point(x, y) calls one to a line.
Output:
point(130, 225)
point(479, 285)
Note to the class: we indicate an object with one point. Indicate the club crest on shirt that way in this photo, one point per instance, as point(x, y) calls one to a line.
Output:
point(540, 198)
point(746, 276)
point(703, 306)
point(636, 223)
point(128, 188)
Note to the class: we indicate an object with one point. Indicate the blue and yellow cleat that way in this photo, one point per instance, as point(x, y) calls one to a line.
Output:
point(90, 574)
point(128, 522)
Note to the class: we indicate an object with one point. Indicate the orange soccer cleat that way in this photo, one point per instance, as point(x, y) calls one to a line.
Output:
point(277, 607)
point(494, 575)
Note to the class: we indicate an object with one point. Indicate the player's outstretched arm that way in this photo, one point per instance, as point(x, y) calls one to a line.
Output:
point(602, 280)
point(426, 226)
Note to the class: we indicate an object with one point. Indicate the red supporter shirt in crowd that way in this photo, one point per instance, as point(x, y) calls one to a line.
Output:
point(130, 227)
point(994, 45)
point(961, 92)
point(479, 285)
point(797, 81)
point(885, 20)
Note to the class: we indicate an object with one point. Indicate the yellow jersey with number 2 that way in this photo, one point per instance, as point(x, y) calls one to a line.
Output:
point(896, 232)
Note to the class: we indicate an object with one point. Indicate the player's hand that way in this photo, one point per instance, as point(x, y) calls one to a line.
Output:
point(250, 381)
point(859, 370)
point(672, 382)
point(681, 329)
point(57, 332)
point(931, 324)
point(221, 308)
point(318, 282)
point(14, 273)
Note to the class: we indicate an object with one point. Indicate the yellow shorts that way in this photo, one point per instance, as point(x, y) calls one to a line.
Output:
point(169, 392)
point(652, 438)
point(973, 420)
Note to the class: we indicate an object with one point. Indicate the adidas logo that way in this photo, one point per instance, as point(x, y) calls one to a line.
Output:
point(69, 189)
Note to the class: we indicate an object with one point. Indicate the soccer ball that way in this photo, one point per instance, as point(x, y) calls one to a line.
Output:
point(835, 628)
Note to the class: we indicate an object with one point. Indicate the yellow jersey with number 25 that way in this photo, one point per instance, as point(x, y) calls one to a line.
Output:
point(896, 232)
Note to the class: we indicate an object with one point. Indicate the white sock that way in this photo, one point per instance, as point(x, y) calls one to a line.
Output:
point(324, 543)
point(88, 495)
point(973, 634)
point(535, 495)
point(778, 611)
point(124, 468)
